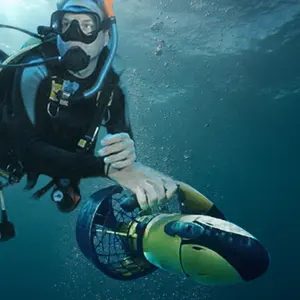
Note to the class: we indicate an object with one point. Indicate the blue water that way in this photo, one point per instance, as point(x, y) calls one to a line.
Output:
point(213, 98)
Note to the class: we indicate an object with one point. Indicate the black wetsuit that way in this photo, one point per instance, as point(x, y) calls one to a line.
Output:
point(48, 145)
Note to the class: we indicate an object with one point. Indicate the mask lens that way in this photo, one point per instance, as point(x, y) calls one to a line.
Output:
point(88, 26)
point(87, 23)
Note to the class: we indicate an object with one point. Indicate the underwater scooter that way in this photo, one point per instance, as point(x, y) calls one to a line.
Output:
point(196, 241)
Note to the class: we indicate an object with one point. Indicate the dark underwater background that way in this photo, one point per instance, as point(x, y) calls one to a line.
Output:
point(214, 99)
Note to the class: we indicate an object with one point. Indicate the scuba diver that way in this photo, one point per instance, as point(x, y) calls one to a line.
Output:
point(55, 96)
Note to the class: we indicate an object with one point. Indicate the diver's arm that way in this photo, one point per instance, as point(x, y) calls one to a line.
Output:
point(34, 152)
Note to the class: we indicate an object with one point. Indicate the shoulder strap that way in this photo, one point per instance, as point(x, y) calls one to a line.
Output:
point(104, 98)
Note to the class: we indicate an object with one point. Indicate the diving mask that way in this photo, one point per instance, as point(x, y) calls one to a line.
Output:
point(77, 24)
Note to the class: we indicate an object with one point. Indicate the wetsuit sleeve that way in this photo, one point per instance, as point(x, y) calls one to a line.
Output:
point(119, 120)
point(36, 154)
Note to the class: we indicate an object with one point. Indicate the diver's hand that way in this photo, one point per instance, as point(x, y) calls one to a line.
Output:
point(151, 188)
point(118, 150)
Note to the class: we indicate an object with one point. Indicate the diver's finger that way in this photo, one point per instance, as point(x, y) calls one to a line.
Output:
point(117, 147)
point(170, 186)
point(108, 150)
point(125, 154)
point(151, 195)
point(124, 163)
point(114, 148)
point(158, 185)
point(114, 138)
point(141, 198)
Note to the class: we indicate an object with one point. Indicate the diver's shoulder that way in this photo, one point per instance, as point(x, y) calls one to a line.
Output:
point(34, 50)
point(114, 77)
point(38, 53)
